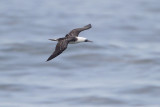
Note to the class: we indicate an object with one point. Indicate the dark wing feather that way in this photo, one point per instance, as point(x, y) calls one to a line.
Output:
point(75, 32)
point(60, 47)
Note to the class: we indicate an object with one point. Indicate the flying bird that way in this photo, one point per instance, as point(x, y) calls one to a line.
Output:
point(70, 38)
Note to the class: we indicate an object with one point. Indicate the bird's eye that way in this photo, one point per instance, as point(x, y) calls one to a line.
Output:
point(86, 40)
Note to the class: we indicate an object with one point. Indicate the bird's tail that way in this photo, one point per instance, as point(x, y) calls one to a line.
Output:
point(53, 39)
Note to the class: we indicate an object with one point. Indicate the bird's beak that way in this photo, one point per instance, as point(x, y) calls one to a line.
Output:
point(88, 40)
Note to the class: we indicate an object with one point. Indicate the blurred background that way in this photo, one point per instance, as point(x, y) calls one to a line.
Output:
point(120, 68)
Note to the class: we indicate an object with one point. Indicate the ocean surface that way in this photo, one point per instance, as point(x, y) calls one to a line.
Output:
point(121, 68)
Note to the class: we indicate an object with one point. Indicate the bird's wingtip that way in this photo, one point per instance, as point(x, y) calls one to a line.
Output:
point(89, 26)
point(48, 60)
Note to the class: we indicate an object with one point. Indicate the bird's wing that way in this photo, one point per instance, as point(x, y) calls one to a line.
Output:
point(60, 47)
point(75, 32)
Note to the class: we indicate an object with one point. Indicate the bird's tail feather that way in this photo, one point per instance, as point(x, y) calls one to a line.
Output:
point(53, 39)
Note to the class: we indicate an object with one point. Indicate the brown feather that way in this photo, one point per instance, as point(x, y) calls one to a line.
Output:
point(75, 32)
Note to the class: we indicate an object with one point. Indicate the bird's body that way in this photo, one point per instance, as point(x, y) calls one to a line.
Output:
point(70, 38)
point(78, 40)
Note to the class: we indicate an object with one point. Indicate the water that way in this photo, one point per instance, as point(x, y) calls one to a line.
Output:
point(119, 69)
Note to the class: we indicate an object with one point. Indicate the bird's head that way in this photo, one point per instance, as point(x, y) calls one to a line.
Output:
point(82, 39)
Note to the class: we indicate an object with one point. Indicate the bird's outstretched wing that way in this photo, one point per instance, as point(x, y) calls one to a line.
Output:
point(60, 47)
point(75, 32)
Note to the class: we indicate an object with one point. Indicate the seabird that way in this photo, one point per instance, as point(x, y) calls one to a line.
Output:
point(70, 38)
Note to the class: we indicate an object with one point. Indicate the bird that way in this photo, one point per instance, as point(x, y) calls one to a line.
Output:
point(70, 38)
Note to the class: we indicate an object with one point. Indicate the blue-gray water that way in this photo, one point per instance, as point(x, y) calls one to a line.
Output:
point(120, 68)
